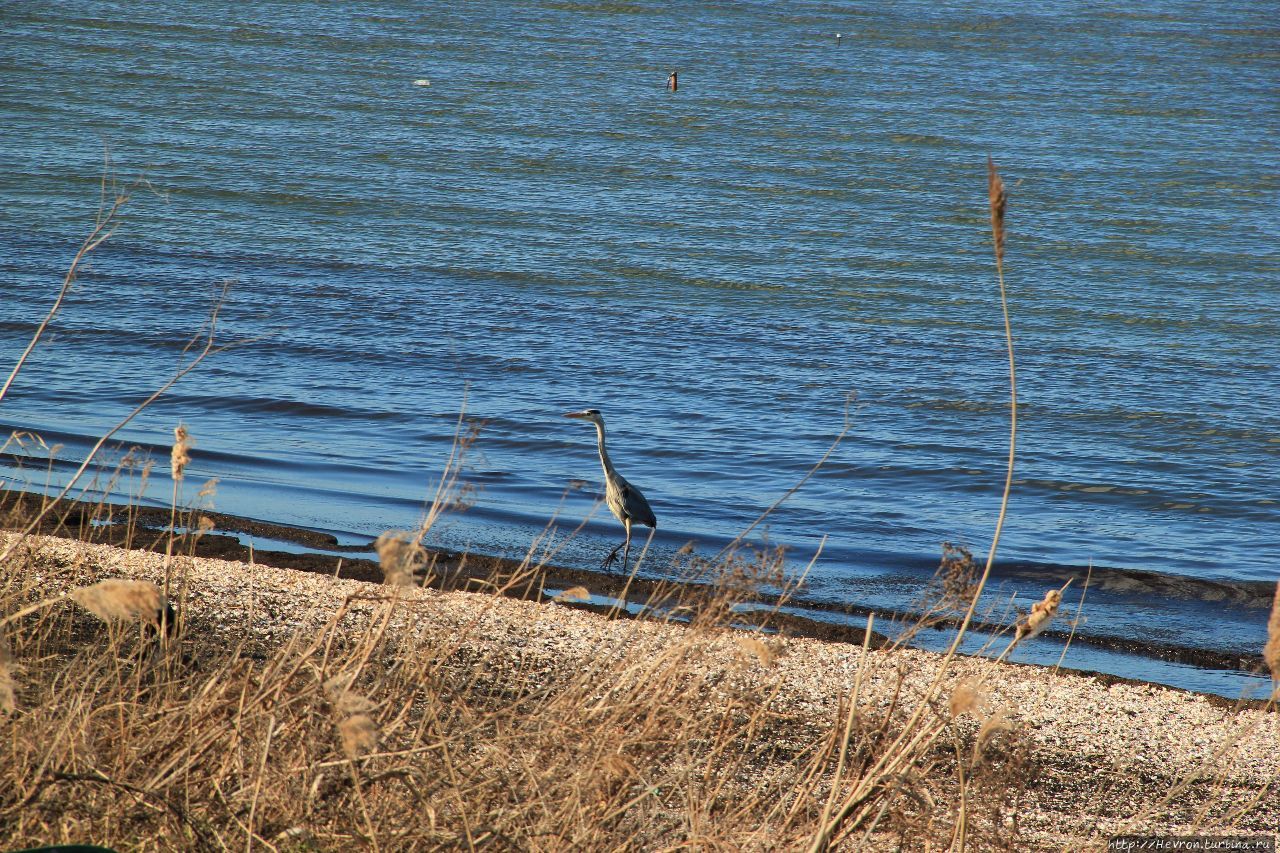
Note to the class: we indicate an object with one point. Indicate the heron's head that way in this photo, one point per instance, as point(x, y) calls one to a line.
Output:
point(592, 415)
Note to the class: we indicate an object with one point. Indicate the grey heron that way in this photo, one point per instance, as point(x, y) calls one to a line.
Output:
point(623, 499)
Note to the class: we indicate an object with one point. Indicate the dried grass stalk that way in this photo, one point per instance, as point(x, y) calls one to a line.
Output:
point(1271, 651)
point(8, 684)
point(999, 200)
point(116, 600)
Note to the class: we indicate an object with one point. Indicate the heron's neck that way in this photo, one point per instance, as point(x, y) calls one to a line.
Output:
point(604, 454)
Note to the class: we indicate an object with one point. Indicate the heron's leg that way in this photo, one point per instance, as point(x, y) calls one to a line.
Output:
point(626, 546)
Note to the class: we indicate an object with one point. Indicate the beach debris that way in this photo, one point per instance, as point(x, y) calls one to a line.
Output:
point(577, 593)
point(1271, 651)
point(180, 456)
point(957, 577)
point(119, 600)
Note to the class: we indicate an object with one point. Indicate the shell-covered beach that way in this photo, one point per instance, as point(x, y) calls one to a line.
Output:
point(1072, 762)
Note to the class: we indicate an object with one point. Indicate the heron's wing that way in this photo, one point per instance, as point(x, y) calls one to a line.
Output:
point(636, 507)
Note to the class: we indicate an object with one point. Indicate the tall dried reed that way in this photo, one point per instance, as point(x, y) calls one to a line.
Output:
point(1271, 651)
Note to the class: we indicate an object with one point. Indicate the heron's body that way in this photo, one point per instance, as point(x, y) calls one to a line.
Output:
point(623, 499)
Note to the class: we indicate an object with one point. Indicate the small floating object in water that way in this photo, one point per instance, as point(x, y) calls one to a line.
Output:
point(422, 82)
point(671, 82)
point(837, 38)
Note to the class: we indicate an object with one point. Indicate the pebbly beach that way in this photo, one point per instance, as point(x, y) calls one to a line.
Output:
point(1078, 761)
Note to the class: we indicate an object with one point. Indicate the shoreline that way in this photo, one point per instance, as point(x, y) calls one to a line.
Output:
point(142, 527)
point(1103, 754)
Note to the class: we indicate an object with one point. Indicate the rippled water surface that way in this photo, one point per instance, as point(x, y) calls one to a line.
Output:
point(543, 228)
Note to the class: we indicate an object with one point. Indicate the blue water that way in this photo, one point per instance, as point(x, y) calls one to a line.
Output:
point(544, 228)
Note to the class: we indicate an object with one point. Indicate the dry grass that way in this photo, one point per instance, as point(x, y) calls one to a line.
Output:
point(378, 733)
point(398, 718)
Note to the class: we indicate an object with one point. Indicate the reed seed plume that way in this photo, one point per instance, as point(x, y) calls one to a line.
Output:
point(337, 687)
point(999, 200)
point(356, 728)
point(758, 649)
point(359, 735)
point(996, 724)
point(350, 704)
point(117, 600)
point(967, 698)
point(1271, 651)
point(1042, 613)
point(399, 556)
point(180, 455)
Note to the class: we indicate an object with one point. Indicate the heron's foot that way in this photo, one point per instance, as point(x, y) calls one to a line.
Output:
point(612, 558)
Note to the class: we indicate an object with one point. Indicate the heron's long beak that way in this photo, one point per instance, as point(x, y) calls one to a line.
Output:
point(579, 415)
